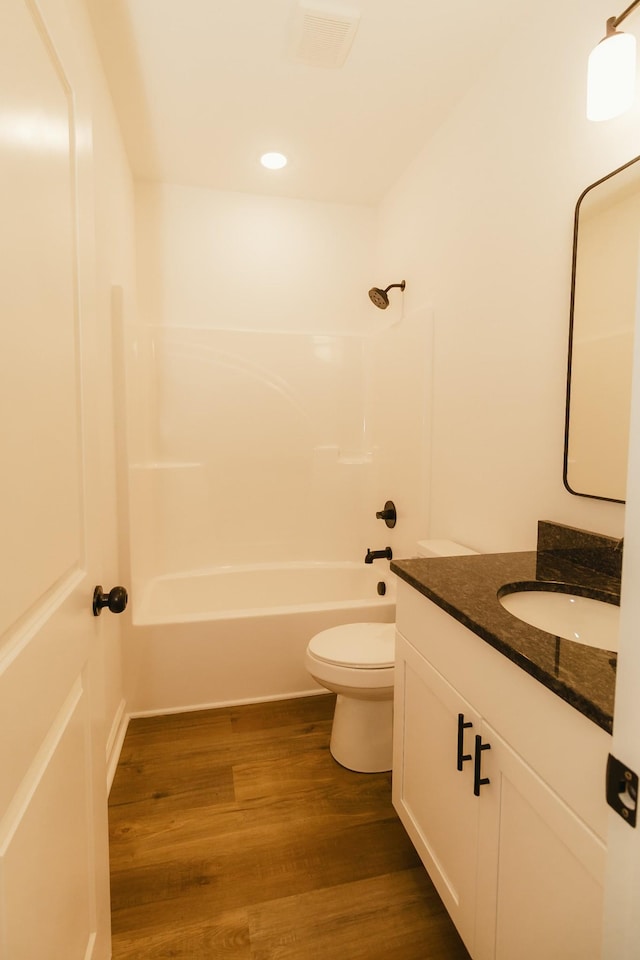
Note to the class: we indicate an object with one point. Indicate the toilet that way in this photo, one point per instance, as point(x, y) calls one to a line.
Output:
point(356, 662)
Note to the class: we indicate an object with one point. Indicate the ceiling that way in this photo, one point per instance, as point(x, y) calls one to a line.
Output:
point(203, 87)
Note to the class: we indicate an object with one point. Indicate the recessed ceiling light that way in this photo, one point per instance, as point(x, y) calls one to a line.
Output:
point(273, 161)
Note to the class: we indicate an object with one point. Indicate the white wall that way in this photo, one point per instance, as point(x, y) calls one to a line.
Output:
point(236, 261)
point(481, 227)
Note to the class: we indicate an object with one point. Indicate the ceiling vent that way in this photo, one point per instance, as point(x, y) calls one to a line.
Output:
point(322, 34)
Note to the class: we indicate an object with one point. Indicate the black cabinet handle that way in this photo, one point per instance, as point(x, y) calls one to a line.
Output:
point(478, 780)
point(462, 726)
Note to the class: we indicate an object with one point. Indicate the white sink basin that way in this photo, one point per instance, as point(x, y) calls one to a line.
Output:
point(567, 615)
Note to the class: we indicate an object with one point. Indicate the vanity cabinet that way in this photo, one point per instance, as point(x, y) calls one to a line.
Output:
point(501, 790)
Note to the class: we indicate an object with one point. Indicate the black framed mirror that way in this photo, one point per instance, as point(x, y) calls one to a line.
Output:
point(604, 290)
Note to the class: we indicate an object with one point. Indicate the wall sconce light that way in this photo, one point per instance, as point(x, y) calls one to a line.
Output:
point(611, 75)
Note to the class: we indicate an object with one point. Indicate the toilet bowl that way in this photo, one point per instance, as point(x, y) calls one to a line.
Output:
point(356, 662)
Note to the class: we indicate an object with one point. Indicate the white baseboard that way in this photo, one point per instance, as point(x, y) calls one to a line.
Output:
point(190, 708)
point(115, 741)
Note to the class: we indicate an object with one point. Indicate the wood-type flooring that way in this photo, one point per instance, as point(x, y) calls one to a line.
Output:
point(236, 836)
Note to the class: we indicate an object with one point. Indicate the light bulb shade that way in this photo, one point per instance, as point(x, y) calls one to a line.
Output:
point(611, 77)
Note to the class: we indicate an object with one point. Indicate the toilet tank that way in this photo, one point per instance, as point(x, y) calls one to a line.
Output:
point(442, 548)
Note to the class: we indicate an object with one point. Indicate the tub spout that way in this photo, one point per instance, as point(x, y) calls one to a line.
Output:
point(372, 555)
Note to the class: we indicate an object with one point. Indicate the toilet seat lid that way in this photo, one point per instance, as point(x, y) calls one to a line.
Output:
point(366, 645)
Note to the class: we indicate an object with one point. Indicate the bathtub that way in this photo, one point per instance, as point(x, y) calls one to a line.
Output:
point(237, 634)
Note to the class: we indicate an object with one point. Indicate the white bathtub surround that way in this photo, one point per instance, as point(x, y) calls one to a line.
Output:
point(262, 450)
point(266, 388)
point(229, 635)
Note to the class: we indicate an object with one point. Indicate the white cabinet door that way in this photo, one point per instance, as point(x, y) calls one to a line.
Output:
point(540, 868)
point(433, 798)
point(519, 873)
point(54, 897)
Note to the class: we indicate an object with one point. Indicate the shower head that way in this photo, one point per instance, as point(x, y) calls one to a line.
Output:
point(380, 298)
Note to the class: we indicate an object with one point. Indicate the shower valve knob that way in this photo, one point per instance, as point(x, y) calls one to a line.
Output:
point(115, 600)
point(388, 514)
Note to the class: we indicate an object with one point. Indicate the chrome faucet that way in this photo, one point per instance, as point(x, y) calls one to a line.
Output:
point(372, 555)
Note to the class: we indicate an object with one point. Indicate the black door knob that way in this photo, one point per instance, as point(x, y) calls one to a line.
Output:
point(115, 600)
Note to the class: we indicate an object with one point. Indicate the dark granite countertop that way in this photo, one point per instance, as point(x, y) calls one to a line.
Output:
point(467, 588)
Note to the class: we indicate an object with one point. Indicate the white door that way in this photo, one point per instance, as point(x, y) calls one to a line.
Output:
point(53, 850)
